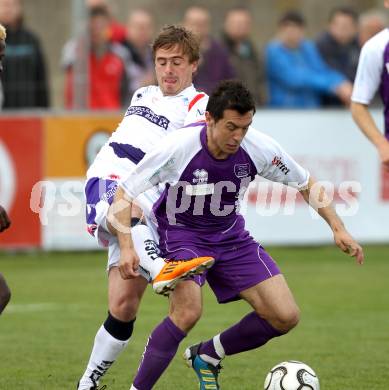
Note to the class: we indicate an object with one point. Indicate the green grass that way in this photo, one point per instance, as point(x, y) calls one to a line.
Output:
point(59, 301)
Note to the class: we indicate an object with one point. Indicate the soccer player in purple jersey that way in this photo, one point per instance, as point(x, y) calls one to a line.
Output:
point(205, 173)
point(373, 73)
point(5, 222)
point(154, 112)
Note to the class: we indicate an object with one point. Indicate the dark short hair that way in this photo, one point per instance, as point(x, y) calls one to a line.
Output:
point(172, 35)
point(348, 11)
point(98, 10)
point(236, 8)
point(292, 17)
point(230, 95)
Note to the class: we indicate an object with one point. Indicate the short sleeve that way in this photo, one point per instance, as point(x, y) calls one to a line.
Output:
point(369, 71)
point(273, 162)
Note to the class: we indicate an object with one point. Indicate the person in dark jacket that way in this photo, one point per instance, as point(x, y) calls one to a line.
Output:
point(24, 77)
point(243, 54)
point(339, 47)
point(214, 65)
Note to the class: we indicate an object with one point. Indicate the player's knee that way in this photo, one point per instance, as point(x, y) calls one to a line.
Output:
point(124, 307)
point(288, 319)
point(186, 317)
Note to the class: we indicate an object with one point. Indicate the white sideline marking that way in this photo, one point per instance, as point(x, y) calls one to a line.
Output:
point(40, 306)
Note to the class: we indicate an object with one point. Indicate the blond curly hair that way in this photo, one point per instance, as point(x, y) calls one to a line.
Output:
point(3, 34)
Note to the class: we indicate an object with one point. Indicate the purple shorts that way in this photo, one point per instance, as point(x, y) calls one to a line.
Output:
point(240, 263)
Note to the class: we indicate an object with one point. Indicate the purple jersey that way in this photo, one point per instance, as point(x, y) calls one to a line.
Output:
point(202, 194)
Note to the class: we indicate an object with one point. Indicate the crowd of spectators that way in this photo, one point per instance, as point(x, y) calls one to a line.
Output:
point(105, 65)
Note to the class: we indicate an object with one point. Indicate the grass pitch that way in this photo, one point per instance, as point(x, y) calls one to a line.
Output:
point(59, 301)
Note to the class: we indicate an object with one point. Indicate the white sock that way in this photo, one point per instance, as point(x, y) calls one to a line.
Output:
point(147, 249)
point(133, 387)
point(219, 350)
point(105, 351)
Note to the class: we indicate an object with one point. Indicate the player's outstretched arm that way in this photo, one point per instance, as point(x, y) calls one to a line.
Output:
point(317, 198)
point(5, 222)
point(119, 218)
point(365, 122)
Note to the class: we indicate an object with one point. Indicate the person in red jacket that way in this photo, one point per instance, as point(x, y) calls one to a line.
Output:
point(116, 31)
point(107, 85)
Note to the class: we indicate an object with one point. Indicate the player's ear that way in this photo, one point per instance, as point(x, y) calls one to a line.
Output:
point(194, 65)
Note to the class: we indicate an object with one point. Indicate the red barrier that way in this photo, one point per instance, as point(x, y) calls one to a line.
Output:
point(21, 156)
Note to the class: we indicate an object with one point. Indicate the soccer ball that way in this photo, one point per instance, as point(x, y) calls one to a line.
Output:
point(291, 375)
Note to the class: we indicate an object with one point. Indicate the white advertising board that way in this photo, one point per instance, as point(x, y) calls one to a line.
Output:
point(327, 143)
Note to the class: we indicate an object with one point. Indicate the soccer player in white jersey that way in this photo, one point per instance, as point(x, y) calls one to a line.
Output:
point(197, 215)
point(154, 112)
point(373, 74)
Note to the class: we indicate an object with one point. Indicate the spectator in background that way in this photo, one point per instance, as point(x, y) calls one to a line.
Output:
point(24, 76)
point(116, 31)
point(140, 66)
point(243, 55)
point(339, 46)
point(297, 75)
point(107, 84)
point(214, 64)
point(371, 23)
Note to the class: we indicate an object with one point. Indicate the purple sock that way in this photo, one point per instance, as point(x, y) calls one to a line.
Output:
point(250, 333)
point(160, 350)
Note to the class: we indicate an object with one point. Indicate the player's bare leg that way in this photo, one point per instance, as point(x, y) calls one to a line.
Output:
point(124, 297)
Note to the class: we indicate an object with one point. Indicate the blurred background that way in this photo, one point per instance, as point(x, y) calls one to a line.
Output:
point(55, 21)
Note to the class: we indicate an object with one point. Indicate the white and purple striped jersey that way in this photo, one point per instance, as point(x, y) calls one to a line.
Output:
point(373, 73)
point(202, 192)
point(149, 118)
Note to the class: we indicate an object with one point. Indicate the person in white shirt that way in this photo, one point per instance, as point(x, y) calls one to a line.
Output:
point(154, 112)
point(373, 74)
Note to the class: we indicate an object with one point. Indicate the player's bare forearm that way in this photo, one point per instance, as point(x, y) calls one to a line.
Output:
point(315, 195)
point(365, 122)
point(119, 218)
point(317, 198)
